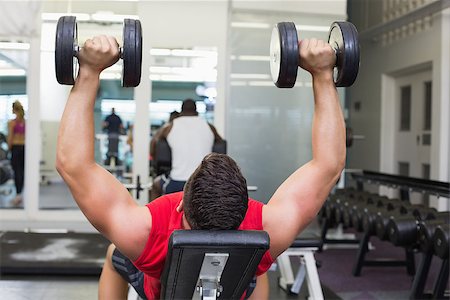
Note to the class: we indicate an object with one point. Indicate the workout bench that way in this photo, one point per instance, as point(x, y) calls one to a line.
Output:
point(203, 264)
point(303, 248)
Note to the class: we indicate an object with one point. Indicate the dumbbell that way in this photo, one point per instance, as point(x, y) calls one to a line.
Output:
point(372, 213)
point(67, 48)
point(426, 230)
point(441, 241)
point(350, 137)
point(358, 215)
point(404, 231)
point(284, 55)
point(351, 208)
point(345, 203)
point(382, 219)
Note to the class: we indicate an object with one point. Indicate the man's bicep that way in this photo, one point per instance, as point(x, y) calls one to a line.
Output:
point(107, 205)
point(130, 230)
point(295, 204)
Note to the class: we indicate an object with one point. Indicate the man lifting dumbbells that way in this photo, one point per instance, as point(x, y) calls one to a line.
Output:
point(217, 188)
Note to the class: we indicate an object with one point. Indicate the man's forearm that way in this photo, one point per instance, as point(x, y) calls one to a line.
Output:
point(328, 133)
point(75, 148)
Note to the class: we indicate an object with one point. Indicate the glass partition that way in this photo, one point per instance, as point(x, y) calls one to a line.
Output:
point(13, 114)
point(277, 120)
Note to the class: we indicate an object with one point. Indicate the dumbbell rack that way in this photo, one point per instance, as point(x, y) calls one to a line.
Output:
point(430, 187)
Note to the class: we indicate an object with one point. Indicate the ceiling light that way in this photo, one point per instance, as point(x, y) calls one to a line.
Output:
point(250, 25)
point(260, 83)
point(312, 28)
point(14, 46)
point(164, 70)
point(238, 83)
point(254, 57)
point(107, 16)
point(193, 53)
point(12, 72)
point(160, 52)
point(249, 76)
point(56, 16)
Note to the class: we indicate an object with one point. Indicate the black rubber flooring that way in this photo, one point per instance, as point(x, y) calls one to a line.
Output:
point(52, 253)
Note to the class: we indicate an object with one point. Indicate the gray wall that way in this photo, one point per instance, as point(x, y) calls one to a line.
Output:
point(419, 50)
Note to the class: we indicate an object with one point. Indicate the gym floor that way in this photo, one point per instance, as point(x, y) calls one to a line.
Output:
point(86, 287)
point(335, 265)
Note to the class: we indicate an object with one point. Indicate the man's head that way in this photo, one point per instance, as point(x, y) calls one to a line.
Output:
point(188, 108)
point(215, 196)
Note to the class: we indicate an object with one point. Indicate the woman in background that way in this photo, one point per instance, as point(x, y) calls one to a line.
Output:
point(16, 144)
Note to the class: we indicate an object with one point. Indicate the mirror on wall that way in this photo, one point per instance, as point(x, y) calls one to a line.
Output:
point(113, 115)
point(13, 115)
point(178, 74)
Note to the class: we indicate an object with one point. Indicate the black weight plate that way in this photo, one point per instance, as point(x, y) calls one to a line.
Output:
point(343, 37)
point(132, 53)
point(284, 55)
point(66, 32)
point(348, 137)
point(441, 241)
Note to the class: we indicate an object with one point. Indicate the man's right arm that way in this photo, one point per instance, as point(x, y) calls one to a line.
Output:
point(299, 198)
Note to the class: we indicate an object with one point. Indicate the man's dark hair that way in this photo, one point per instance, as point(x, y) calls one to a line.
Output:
point(215, 196)
point(188, 106)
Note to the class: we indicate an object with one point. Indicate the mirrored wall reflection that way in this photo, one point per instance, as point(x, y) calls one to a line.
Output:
point(181, 73)
point(114, 117)
point(113, 148)
point(13, 115)
point(114, 120)
point(177, 74)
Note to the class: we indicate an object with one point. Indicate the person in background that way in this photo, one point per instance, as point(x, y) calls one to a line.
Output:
point(159, 132)
point(190, 138)
point(16, 144)
point(113, 126)
point(160, 169)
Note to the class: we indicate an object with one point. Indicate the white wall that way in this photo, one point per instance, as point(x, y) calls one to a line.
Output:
point(318, 7)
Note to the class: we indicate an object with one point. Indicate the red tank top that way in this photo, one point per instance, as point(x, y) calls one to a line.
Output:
point(165, 219)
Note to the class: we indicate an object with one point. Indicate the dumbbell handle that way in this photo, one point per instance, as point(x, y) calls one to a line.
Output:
point(336, 54)
point(76, 49)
